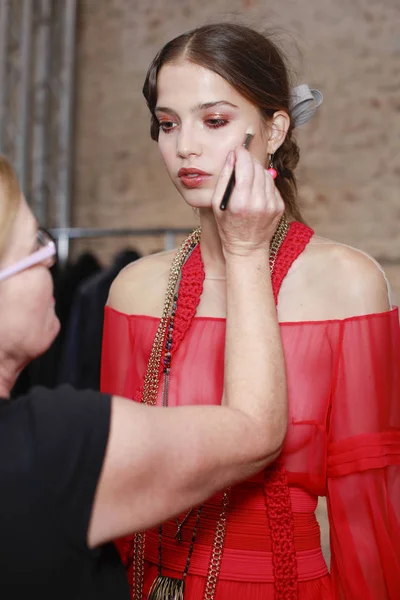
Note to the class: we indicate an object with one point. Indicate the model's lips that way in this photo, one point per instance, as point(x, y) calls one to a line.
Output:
point(191, 171)
point(192, 177)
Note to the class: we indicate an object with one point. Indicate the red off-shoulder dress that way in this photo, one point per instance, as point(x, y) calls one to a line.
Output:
point(343, 442)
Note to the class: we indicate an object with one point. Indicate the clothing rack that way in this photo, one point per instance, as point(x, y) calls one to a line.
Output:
point(63, 236)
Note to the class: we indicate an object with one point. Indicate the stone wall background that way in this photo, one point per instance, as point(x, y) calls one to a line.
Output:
point(349, 171)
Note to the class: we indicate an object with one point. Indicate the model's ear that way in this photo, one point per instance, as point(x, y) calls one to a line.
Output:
point(277, 129)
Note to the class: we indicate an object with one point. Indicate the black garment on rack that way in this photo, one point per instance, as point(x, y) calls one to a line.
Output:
point(81, 355)
point(72, 277)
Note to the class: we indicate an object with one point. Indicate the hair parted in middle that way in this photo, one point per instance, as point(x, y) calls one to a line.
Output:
point(254, 66)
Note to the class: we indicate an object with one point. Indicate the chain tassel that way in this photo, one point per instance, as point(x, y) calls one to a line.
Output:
point(166, 588)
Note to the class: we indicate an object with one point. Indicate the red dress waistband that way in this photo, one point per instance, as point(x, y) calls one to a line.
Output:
point(247, 552)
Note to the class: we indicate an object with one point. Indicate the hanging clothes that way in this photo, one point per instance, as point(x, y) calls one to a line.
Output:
point(81, 353)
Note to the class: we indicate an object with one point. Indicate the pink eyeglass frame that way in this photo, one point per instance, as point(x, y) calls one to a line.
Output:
point(35, 258)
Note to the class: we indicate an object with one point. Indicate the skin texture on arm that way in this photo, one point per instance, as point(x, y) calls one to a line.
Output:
point(160, 461)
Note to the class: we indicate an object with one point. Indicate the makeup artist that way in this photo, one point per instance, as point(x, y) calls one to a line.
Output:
point(260, 539)
point(78, 469)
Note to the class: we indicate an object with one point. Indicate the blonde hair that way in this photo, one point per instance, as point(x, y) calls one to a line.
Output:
point(10, 198)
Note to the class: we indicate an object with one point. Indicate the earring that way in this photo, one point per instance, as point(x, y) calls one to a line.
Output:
point(271, 169)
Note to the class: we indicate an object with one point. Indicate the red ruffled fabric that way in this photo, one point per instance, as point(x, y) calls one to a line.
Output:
point(363, 461)
point(343, 441)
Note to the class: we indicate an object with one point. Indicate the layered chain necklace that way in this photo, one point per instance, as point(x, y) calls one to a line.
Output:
point(159, 365)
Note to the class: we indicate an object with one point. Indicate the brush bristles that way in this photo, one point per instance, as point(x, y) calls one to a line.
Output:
point(249, 137)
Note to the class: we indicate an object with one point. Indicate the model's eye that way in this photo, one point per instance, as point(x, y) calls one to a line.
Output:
point(216, 123)
point(167, 126)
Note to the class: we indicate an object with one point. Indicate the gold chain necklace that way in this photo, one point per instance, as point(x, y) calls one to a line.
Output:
point(167, 588)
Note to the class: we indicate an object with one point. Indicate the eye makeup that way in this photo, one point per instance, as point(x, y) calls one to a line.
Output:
point(166, 125)
point(217, 121)
point(210, 121)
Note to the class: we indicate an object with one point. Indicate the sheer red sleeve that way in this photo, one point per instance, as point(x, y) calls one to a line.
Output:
point(125, 352)
point(364, 460)
point(116, 350)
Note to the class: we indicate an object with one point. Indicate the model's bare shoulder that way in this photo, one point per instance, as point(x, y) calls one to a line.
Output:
point(333, 281)
point(140, 287)
point(364, 283)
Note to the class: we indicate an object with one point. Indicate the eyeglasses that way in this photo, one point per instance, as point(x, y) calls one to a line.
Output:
point(45, 254)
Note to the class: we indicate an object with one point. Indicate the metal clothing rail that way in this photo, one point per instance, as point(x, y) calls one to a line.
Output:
point(64, 235)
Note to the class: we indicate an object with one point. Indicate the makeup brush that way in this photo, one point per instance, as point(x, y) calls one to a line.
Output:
point(231, 182)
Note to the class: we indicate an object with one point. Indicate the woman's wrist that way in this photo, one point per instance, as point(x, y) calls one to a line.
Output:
point(253, 259)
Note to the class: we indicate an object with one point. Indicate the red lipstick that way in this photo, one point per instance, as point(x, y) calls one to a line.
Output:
point(192, 177)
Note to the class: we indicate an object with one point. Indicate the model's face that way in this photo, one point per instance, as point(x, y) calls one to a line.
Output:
point(201, 119)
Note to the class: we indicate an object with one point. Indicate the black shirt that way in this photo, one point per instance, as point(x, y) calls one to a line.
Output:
point(52, 445)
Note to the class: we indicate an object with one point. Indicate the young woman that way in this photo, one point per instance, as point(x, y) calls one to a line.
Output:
point(260, 540)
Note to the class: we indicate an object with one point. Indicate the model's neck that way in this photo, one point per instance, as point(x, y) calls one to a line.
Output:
point(8, 376)
point(211, 247)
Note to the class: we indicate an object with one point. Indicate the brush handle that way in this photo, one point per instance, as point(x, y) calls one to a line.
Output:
point(228, 191)
point(231, 182)
point(246, 143)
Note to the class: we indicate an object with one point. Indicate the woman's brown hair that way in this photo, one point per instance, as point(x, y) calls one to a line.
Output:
point(252, 64)
point(10, 198)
